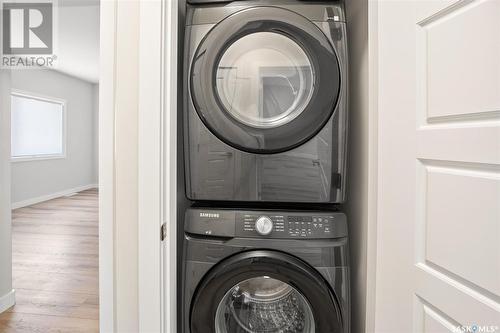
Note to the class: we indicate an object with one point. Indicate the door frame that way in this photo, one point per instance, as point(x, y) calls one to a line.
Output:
point(169, 136)
point(106, 166)
point(150, 27)
point(372, 181)
point(158, 166)
point(151, 168)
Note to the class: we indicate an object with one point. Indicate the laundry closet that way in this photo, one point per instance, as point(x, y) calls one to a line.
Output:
point(264, 111)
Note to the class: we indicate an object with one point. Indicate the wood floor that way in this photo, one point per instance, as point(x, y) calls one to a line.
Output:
point(55, 266)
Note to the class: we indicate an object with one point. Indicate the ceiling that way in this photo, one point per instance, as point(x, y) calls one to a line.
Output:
point(77, 38)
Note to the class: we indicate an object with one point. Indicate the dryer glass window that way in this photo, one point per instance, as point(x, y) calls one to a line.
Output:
point(264, 304)
point(264, 79)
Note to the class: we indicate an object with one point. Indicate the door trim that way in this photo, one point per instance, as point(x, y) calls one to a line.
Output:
point(372, 169)
point(158, 166)
point(150, 28)
point(150, 166)
point(170, 86)
point(107, 71)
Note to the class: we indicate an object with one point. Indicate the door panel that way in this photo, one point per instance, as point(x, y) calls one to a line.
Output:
point(468, 142)
point(462, 75)
point(449, 223)
point(434, 321)
point(439, 195)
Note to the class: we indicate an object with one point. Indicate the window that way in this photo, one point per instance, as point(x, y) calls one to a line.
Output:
point(37, 127)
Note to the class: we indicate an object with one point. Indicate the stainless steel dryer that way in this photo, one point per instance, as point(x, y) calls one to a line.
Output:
point(265, 106)
point(249, 271)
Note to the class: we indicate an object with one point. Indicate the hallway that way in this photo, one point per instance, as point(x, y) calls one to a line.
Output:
point(55, 266)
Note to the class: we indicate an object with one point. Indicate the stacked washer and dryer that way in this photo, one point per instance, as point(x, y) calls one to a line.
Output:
point(265, 119)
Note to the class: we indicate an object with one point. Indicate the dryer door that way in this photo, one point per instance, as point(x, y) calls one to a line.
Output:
point(264, 291)
point(265, 80)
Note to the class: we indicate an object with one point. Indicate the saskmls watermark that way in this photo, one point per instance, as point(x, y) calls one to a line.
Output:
point(476, 329)
point(27, 34)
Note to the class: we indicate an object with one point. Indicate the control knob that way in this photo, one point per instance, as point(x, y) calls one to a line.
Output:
point(264, 225)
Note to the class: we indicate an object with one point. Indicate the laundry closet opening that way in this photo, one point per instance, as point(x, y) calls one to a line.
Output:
point(262, 167)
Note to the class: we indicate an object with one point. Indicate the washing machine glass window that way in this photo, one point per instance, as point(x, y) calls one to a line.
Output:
point(264, 304)
point(265, 79)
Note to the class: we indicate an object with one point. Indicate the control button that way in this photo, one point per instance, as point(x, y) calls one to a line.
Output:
point(264, 225)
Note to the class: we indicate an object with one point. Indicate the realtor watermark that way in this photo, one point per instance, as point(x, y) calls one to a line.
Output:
point(27, 34)
point(476, 329)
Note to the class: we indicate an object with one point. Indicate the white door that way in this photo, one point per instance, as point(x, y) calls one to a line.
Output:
point(438, 223)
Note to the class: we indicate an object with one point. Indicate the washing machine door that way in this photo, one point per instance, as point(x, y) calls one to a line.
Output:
point(264, 291)
point(265, 80)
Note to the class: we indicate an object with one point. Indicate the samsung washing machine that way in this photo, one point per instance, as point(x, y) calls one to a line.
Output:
point(249, 271)
point(265, 101)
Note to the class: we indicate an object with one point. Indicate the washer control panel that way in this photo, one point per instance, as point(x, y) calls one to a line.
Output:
point(265, 223)
point(287, 226)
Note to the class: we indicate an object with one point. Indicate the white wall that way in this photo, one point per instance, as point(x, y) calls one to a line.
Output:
point(33, 179)
point(358, 191)
point(77, 45)
point(6, 294)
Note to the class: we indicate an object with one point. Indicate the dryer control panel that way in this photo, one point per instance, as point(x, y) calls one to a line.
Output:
point(265, 223)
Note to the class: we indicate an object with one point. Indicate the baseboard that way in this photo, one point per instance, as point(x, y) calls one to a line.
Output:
point(51, 196)
point(7, 300)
